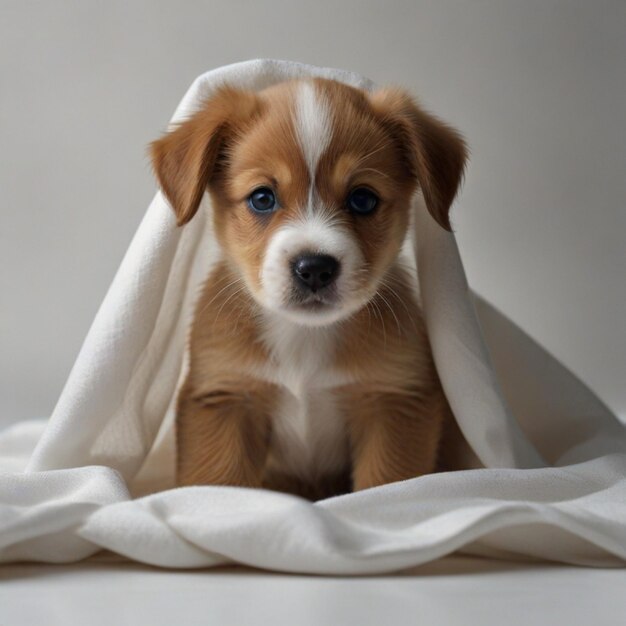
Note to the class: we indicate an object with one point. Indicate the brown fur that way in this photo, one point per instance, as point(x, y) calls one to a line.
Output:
point(395, 410)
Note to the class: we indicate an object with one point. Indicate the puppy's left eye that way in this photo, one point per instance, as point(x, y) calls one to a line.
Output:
point(262, 200)
point(362, 201)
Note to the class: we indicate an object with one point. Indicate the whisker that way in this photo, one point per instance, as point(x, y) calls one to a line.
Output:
point(232, 295)
point(242, 310)
point(206, 306)
point(392, 292)
point(382, 321)
point(392, 311)
point(373, 169)
point(377, 148)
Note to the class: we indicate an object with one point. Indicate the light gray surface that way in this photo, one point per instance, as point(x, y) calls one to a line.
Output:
point(450, 592)
point(538, 87)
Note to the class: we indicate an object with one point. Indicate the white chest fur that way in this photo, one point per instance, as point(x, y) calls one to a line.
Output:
point(309, 432)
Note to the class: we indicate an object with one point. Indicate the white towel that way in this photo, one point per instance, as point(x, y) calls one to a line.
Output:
point(553, 486)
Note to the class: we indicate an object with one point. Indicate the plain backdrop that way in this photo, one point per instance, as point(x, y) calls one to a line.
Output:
point(537, 87)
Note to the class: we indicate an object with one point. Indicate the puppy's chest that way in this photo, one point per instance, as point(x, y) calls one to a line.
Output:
point(308, 427)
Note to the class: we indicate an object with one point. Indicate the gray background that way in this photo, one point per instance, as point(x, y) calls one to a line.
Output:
point(538, 88)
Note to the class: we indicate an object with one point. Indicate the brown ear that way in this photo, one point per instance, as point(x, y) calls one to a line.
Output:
point(185, 158)
point(434, 152)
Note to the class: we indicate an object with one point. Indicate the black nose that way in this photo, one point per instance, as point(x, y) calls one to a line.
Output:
point(315, 271)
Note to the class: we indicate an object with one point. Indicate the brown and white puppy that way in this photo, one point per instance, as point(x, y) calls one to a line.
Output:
point(310, 368)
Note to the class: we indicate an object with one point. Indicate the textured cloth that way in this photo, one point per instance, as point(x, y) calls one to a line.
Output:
point(553, 484)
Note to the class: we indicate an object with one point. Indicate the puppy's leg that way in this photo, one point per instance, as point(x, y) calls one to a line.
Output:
point(394, 436)
point(222, 437)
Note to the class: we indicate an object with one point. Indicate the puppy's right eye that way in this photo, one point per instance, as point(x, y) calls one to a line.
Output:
point(262, 200)
point(362, 201)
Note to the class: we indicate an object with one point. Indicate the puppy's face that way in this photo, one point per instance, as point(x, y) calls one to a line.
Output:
point(311, 182)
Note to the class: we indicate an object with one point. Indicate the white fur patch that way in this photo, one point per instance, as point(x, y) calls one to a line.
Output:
point(313, 125)
point(308, 430)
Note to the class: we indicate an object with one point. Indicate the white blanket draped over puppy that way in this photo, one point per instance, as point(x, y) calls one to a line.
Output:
point(553, 484)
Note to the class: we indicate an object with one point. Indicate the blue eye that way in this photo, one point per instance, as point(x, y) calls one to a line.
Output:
point(362, 201)
point(262, 200)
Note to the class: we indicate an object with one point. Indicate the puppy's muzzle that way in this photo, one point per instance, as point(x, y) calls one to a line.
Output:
point(315, 272)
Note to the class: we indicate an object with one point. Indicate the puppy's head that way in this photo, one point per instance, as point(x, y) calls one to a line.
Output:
point(311, 182)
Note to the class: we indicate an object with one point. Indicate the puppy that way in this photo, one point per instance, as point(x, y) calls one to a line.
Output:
point(310, 367)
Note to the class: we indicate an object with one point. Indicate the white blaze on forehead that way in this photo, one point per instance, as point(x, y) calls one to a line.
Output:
point(313, 124)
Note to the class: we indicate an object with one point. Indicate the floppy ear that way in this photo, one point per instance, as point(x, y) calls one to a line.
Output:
point(185, 159)
point(434, 152)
